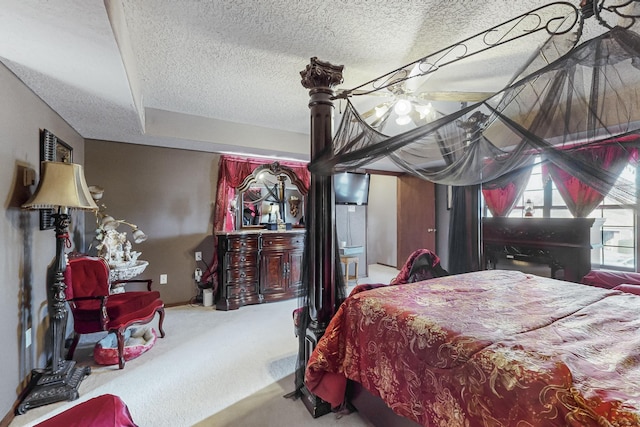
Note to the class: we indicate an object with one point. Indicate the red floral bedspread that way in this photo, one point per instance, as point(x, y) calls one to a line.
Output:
point(491, 348)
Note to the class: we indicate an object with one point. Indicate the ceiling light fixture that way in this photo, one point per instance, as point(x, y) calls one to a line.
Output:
point(424, 110)
point(402, 107)
point(403, 120)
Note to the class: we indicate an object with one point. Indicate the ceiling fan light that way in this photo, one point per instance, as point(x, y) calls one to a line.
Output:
point(402, 107)
point(424, 110)
point(403, 120)
point(381, 110)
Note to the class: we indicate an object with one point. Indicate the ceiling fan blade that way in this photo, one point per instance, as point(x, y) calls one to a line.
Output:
point(386, 106)
point(455, 96)
point(368, 113)
point(356, 92)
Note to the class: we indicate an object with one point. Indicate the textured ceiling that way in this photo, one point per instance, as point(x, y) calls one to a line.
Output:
point(181, 73)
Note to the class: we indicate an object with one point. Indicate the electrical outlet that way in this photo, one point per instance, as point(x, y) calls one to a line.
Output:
point(198, 256)
point(163, 279)
point(27, 338)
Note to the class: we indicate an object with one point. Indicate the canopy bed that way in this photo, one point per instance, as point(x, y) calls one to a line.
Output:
point(564, 103)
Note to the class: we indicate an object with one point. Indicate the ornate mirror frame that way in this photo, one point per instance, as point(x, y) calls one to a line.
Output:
point(275, 169)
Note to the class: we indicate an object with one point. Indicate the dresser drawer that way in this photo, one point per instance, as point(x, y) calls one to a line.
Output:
point(282, 242)
point(241, 259)
point(246, 289)
point(248, 274)
point(242, 243)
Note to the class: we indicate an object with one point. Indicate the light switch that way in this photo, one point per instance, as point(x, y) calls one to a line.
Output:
point(28, 177)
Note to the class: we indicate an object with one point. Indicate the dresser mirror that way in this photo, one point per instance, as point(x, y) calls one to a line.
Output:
point(270, 193)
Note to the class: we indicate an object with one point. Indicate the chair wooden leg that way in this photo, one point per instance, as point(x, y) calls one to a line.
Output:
point(72, 347)
point(160, 321)
point(346, 272)
point(120, 335)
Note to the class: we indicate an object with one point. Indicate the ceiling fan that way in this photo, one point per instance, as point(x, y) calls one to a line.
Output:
point(408, 104)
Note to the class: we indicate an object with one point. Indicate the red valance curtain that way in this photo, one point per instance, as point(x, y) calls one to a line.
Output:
point(500, 200)
point(580, 198)
point(231, 172)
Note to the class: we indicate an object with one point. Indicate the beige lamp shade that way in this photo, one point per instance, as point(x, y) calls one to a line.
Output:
point(61, 185)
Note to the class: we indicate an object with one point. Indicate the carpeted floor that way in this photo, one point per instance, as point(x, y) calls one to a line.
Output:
point(268, 408)
point(213, 368)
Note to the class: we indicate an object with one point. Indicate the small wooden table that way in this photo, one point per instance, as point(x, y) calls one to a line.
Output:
point(346, 260)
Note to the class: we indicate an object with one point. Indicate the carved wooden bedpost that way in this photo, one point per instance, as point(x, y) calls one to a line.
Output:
point(320, 78)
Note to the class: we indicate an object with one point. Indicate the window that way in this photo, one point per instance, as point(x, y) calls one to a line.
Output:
point(619, 230)
point(619, 239)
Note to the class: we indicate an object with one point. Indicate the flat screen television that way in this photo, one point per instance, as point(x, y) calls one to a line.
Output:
point(351, 188)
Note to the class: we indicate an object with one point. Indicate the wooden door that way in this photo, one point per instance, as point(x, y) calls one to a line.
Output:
point(416, 216)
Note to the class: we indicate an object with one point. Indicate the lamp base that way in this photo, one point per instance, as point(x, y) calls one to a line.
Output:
point(46, 386)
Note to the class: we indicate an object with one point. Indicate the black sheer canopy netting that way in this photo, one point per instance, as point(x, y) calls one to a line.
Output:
point(564, 98)
point(586, 97)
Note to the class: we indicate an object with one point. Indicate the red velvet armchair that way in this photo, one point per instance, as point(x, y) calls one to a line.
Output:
point(95, 310)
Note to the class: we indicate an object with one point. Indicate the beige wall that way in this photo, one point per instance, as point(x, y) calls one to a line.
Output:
point(442, 225)
point(26, 250)
point(167, 193)
point(382, 229)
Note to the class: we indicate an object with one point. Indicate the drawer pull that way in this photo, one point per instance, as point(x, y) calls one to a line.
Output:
point(243, 258)
point(243, 274)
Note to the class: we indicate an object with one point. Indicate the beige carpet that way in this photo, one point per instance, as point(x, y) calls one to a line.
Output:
point(210, 364)
point(268, 408)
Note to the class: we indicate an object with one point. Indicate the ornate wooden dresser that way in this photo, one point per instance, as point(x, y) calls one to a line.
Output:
point(256, 266)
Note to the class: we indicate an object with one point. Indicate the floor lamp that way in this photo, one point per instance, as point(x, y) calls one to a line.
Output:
point(62, 187)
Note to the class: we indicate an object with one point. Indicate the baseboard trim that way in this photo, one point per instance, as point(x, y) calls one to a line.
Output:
point(387, 265)
point(10, 416)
